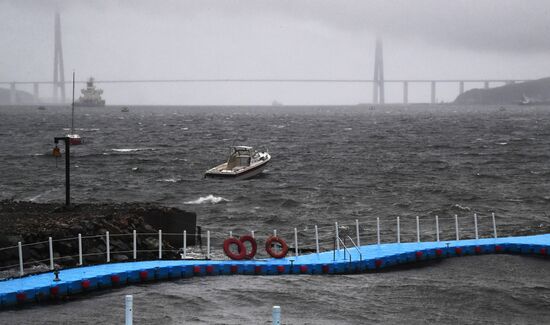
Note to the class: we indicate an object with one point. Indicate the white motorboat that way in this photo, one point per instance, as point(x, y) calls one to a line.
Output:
point(244, 162)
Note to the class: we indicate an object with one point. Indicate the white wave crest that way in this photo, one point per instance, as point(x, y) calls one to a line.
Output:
point(132, 149)
point(208, 199)
point(460, 207)
point(169, 180)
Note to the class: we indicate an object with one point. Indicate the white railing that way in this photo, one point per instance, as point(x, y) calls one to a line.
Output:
point(306, 239)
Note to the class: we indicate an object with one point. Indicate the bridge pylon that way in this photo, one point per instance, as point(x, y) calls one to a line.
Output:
point(58, 69)
point(378, 80)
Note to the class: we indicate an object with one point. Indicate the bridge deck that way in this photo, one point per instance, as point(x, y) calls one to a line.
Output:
point(35, 288)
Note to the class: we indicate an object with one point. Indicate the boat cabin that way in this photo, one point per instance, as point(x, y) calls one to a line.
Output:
point(240, 156)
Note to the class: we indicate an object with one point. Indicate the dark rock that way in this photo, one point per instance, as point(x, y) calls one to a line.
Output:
point(31, 222)
point(119, 245)
point(66, 260)
point(95, 255)
point(120, 257)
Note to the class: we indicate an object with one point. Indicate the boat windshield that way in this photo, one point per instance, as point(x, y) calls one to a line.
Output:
point(240, 156)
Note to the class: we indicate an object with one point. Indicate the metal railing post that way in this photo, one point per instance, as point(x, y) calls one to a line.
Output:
point(129, 310)
point(475, 225)
point(50, 244)
point(398, 231)
point(345, 248)
point(208, 244)
point(337, 236)
point(160, 244)
point(252, 233)
point(276, 315)
point(184, 255)
point(316, 239)
point(108, 246)
point(275, 232)
point(417, 229)
point(20, 250)
point(456, 228)
point(357, 248)
point(80, 249)
point(494, 226)
point(135, 244)
point(357, 232)
point(230, 233)
point(437, 228)
point(378, 230)
point(295, 242)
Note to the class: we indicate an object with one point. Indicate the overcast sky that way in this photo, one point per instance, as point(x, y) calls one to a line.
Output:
point(438, 39)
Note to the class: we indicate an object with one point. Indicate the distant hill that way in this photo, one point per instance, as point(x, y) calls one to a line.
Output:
point(535, 91)
point(22, 97)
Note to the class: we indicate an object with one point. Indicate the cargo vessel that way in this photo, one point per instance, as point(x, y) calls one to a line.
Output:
point(91, 96)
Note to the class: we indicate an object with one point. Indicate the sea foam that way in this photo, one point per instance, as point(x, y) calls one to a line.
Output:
point(208, 199)
point(132, 149)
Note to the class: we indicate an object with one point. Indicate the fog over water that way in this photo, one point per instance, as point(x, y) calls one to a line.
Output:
point(113, 40)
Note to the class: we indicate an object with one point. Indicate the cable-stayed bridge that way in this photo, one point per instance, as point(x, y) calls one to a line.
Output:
point(431, 83)
point(377, 84)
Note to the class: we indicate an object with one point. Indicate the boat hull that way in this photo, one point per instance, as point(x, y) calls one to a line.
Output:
point(242, 174)
point(74, 139)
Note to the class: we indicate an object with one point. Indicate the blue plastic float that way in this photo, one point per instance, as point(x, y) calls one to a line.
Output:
point(42, 287)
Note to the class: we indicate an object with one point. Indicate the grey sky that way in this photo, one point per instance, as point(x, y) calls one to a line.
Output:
point(278, 39)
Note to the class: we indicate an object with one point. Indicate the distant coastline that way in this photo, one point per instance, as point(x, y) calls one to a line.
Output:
point(22, 97)
point(529, 92)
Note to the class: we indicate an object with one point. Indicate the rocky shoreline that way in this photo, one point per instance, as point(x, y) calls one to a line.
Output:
point(29, 222)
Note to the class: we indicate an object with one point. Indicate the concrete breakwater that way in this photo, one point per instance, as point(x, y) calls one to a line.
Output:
point(29, 222)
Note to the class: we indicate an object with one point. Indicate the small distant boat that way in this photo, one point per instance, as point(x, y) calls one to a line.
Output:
point(244, 162)
point(41, 108)
point(532, 101)
point(525, 100)
point(74, 139)
point(125, 109)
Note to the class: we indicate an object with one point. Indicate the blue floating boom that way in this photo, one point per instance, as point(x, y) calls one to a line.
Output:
point(41, 287)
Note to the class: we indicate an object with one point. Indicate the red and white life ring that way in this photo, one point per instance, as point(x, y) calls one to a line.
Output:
point(254, 246)
point(241, 249)
point(270, 249)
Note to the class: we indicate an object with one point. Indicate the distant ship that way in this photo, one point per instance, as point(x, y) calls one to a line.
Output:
point(91, 96)
point(276, 103)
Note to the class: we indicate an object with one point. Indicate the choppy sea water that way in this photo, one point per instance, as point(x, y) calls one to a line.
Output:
point(329, 164)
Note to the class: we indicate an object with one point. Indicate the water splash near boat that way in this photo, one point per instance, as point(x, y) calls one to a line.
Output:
point(209, 199)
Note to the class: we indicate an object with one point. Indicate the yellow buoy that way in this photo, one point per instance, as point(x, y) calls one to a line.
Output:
point(56, 152)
